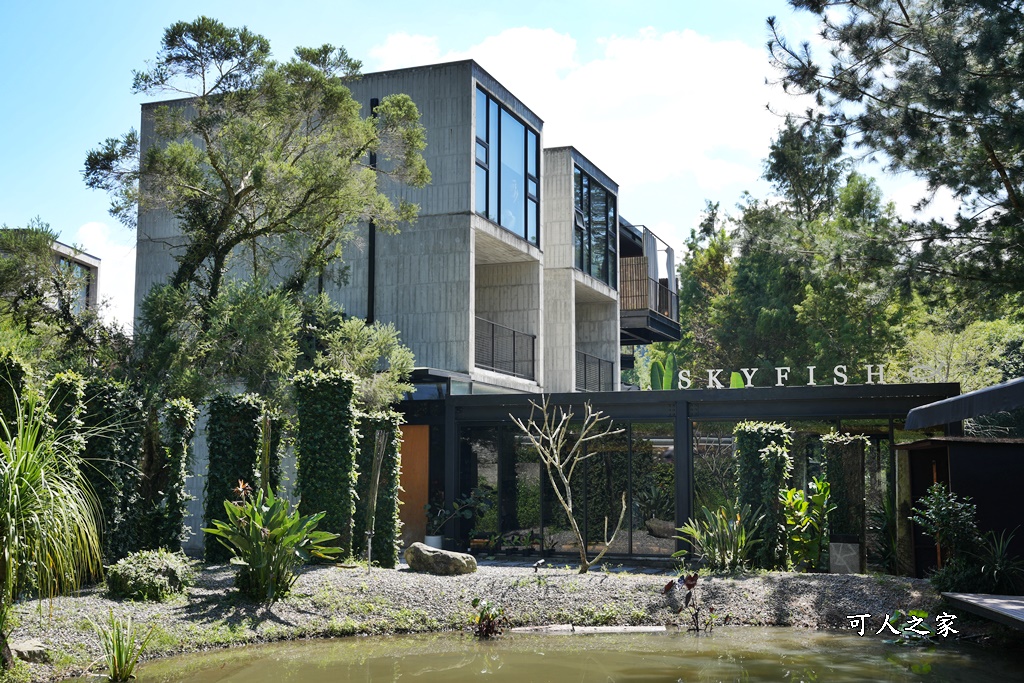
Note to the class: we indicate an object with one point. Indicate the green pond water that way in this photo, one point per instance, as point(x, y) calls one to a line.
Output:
point(728, 654)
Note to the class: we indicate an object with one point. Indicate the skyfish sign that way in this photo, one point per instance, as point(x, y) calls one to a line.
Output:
point(783, 376)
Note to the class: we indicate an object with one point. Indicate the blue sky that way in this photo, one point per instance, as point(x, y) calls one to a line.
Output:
point(679, 115)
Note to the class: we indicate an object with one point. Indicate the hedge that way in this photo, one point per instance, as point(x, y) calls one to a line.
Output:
point(234, 437)
point(327, 441)
point(844, 469)
point(111, 457)
point(387, 539)
point(763, 467)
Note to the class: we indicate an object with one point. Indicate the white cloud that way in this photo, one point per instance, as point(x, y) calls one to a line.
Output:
point(116, 250)
point(675, 115)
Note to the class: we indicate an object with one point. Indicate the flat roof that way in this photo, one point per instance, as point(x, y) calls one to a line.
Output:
point(988, 401)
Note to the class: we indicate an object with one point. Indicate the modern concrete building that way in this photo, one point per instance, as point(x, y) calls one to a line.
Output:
point(512, 278)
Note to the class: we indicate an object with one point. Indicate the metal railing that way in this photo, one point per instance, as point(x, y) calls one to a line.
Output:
point(504, 350)
point(638, 291)
point(593, 373)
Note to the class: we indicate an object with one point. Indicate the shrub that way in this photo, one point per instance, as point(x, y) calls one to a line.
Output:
point(387, 540)
point(269, 540)
point(327, 442)
point(843, 464)
point(724, 539)
point(806, 523)
point(12, 383)
point(150, 575)
point(949, 520)
point(234, 434)
point(121, 646)
point(763, 466)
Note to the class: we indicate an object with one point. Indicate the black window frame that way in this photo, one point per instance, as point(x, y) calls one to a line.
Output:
point(583, 228)
point(492, 165)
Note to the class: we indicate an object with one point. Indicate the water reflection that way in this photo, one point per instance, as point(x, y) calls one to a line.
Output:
point(747, 654)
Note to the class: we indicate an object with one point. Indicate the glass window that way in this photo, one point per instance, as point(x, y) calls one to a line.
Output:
point(508, 169)
point(513, 180)
point(597, 229)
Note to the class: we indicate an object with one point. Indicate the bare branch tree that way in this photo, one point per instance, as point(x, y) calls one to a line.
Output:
point(561, 450)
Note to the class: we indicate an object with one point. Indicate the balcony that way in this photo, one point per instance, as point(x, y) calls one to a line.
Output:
point(593, 373)
point(648, 309)
point(502, 349)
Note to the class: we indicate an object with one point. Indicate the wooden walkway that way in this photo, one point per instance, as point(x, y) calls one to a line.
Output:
point(1006, 609)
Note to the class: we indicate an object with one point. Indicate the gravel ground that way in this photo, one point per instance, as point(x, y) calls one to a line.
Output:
point(333, 601)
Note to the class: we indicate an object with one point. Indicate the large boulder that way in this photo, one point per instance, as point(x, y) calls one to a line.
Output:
point(423, 558)
point(33, 651)
point(660, 528)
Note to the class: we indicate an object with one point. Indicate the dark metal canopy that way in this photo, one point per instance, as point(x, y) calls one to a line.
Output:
point(987, 401)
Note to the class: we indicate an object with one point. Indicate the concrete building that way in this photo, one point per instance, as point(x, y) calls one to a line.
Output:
point(85, 271)
point(511, 279)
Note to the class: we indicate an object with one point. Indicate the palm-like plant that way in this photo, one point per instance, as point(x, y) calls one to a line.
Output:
point(49, 538)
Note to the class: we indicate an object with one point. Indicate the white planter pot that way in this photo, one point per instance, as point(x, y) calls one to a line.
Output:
point(434, 541)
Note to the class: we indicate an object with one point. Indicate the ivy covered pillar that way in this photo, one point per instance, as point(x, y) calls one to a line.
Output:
point(326, 444)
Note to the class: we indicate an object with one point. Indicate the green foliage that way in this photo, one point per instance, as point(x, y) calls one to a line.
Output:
point(883, 548)
point(843, 467)
point(374, 356)
point(167, 515)
point(12, 383)
point(387, 537)
point(150, 575)
point(806, 165)
point(48, 512)
point(268, 541)
point(475, 503)
point(489, 619)
point(1001, 572)
point(948, 519)
point(234, 438)
point(327, 443)
point(806, 523)
point(933, 86)
point(664, 375)
point(121, 646)
point(763, 467)
point(110, 458)
point(724, 539)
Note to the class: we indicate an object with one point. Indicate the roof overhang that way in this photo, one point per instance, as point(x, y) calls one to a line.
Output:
point(987, 401)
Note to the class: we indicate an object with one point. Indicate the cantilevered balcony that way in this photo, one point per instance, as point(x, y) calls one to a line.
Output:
point(648, 302)
point(502, 349)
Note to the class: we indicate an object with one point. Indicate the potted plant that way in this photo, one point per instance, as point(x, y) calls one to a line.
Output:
point(438, 515)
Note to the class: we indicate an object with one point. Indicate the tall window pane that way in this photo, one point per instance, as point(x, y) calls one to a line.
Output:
point(531, 221)
point(492, 180)
point(531, 153)
point(481, 115)
point(481, 190)
point(599, 228)
point(513, 174)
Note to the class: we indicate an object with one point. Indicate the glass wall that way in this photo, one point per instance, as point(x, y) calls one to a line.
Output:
point(527, 517)
point(595, 236)
point(507, 171)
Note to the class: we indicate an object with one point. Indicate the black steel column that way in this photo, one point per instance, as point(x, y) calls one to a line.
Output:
point(683, 449)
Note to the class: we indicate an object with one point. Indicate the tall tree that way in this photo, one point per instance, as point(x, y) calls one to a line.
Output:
point(807, 166)
point(269, 156)
point(935, 86)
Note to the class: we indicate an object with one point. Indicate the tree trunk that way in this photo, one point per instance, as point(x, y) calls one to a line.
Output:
point(6, 656)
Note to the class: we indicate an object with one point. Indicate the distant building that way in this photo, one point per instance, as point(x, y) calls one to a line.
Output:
point(84, 269)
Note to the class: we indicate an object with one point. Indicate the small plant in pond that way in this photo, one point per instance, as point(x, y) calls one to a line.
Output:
point(269, 541)
point(702, 619)
point(806, 523)
point(150, 575)
point(489, 620)
point(724, 539)
point(121, 646)
point(476, 502)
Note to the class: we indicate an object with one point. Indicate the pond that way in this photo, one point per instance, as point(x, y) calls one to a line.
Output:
point(738, 653)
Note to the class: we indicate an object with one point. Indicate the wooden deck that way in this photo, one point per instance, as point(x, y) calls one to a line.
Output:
point(1005, 609)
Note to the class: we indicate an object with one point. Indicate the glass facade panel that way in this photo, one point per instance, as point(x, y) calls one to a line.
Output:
point(652, 489)
point(513, 174)
point(596, 247)
point(508, 154)
point(481, 189)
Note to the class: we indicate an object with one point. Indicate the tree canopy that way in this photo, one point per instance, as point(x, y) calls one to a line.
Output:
point(934, 87)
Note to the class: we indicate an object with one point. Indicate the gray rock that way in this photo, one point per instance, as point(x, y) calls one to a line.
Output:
point(660, 528)
point(423, 558)
point(30, 651)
